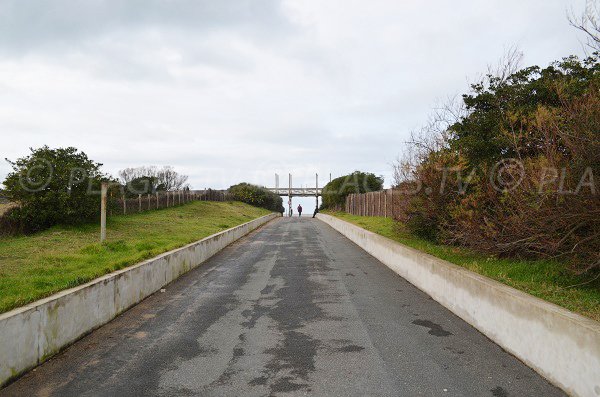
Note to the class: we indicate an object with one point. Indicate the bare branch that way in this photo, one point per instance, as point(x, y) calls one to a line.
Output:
point(589, 23)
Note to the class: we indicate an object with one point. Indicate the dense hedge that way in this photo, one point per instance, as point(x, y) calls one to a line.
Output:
point(335, 192)
point(257, 196)
point(516, 172)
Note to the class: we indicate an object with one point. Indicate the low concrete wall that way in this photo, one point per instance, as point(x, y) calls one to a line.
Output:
point(562, 346)
point(32, 333)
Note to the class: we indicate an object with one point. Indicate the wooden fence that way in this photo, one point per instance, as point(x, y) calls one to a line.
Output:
point(389, 203)
point(152, 201)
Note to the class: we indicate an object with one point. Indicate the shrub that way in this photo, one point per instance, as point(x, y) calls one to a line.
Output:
point(335, 192)
point(513, 173)
point(52, 186)
point(257, 196)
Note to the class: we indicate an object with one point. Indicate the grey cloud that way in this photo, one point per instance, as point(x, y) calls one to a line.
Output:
point(27, 25)
point(231, 90)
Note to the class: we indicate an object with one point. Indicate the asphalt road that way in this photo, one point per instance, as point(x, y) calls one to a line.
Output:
point(292, 309)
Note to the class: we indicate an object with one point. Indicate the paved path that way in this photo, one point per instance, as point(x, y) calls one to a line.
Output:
point(296, 309)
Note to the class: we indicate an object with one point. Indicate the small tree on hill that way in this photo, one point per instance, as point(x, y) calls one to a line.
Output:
point(53, 186)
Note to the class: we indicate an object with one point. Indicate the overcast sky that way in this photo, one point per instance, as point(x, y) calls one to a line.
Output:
point(230, 91)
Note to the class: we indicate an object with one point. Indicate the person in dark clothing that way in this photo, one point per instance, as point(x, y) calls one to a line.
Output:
point(299, 210)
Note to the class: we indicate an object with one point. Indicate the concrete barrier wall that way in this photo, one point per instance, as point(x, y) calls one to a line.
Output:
point(32, 333)
point(562, 346)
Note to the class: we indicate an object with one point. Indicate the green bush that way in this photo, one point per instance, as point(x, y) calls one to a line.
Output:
point(257, 196)
point(336, 191)
point(52, 186)
point(513, 175)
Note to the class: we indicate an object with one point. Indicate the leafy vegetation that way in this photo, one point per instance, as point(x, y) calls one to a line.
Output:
point(36, 266)
point(546, 279)
point(257, 196)
point(510, 170)
point(335, 192)
point(52, 186)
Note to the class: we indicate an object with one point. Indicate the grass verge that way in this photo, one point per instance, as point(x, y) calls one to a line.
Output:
point(548, 280)
point(33, 267)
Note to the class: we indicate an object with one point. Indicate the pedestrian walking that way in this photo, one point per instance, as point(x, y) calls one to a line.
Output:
point(299, 210)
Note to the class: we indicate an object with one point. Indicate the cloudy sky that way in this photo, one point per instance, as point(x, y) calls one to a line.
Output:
point(230, 91)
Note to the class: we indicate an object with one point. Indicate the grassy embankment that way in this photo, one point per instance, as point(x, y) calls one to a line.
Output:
point(32, 267)
point(545, 279)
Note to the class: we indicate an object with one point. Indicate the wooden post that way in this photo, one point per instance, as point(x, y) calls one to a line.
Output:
point(373, 213)
point(392, 202)
point(167, 194)
point(103, 191)
point(148, 201)
point(385, 203)
point(140, 202)
point(124, 206)
point(156, 200)
point(362, 204)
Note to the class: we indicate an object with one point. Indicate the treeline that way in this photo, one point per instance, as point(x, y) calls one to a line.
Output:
point(151, 179)
point(511, 169)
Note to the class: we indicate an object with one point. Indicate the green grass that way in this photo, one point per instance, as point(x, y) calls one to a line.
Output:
point(33, 267)
point(548, 280)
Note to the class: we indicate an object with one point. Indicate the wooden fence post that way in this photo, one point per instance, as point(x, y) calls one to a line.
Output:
point(139, 202)
point(103, 191)
point(372, 194)
point(124, 206)
point(385, 203)
point(363, 209)
point(392, 202)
